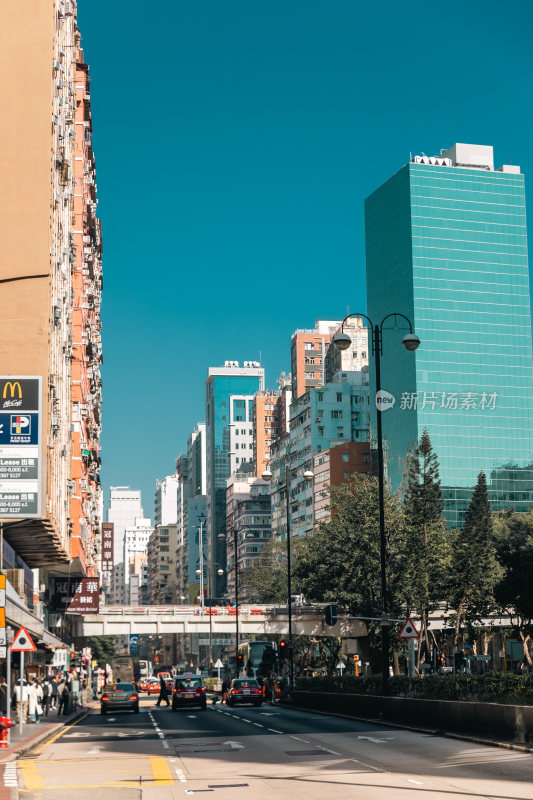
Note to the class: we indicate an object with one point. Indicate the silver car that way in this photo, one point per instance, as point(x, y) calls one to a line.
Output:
point(120, 696)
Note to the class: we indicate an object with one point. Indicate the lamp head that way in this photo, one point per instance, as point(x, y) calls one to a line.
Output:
point(411, 341)
point(220, 571)
point(341, 341)
point(221, 537)
point(308, 475)
point(198, 572)
point(267, 475)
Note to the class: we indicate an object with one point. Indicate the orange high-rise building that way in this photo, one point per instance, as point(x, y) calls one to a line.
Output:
point(50, 274)
point(308, 356)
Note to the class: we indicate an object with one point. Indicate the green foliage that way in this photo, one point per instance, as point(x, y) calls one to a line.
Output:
point(266, 581)
point(489, 687)
point(103, 648)
point(340, 561)
point(475, 570)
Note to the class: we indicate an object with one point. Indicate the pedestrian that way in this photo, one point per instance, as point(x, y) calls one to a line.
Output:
point(47, 695)
point(3, 695)
point(163, 691)
point(225, 688)
point(40, 696)
point(64, 696)
point(53, 693)
point(32, 702)
point(21, 699)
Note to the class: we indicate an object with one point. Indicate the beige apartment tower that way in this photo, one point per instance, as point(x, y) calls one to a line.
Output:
point(50, 272)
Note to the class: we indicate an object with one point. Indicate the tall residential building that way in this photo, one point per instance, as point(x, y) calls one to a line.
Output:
point(266, 427)
point(333, 467)
point(125, 508)
point(248, 518)
point(51, 275)
point(308, 355)
point(446, 245)
point(166, 500)
point(162, 564)
point(320, 418)
point(222, 383)
point(355, 357)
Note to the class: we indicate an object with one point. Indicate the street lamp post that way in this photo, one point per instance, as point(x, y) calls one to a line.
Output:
point(308, 476)
point(210, 651)
point(411, 342)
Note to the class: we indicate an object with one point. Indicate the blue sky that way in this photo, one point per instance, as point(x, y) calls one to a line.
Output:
point(235, 144)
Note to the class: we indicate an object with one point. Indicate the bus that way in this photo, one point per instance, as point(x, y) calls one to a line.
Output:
point(258, 658)
point(145, 668)
point(124, 669)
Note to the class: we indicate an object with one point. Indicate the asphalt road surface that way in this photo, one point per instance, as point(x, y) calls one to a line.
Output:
point(262, 753)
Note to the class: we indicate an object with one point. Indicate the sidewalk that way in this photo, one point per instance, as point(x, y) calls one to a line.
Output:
point(33, 733)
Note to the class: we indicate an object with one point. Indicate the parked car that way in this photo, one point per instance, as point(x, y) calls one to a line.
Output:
point(244, 690)
point(189, 690)
point(120, 697)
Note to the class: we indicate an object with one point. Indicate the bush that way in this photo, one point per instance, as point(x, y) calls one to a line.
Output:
point(490, 687)
point(210, 683)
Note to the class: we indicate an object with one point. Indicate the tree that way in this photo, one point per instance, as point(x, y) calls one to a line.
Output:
point(103, 648)
point(514, 592)
point(266, 581)
point(427, 553)
point(339, 562)
point(475, 570)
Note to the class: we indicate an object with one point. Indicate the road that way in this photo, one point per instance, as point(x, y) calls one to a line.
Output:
point(259, 753)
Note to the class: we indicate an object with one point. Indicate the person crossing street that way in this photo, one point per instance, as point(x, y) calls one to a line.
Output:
point(163, 692)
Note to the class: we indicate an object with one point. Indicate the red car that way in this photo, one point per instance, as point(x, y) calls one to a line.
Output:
point(152, 686)
point(142, 685)
point(189, 690)
point(244, 690)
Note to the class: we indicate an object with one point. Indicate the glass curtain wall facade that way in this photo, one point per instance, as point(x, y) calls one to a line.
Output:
point(447, 247)
point(219, 389)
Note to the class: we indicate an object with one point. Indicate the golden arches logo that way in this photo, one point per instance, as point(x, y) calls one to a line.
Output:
point(13, 387)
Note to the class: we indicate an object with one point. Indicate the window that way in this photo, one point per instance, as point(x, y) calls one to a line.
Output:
point(363, 354)
point(366, 458)
point(308, 346)
point(345, 457)
point(320, 397)
point(321, 431)
point(340, 433)
point(354, 354)
point(346, 474)
point(339, 397)
point(309, 376)
point(336, 414)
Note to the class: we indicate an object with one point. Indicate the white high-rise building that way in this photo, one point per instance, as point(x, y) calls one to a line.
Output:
point(166, 500)
point(124, 508)
point(136, 541)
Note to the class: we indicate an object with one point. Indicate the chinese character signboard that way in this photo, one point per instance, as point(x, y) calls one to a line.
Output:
point(108, 532)
point(76, 596)
point(3, 640)
point(20, 447)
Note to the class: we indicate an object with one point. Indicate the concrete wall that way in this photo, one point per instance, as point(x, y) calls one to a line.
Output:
point(491, 720)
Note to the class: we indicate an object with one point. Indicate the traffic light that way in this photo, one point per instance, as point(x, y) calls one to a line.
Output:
point(330, 615)
point(240, 662)
point(283, 650)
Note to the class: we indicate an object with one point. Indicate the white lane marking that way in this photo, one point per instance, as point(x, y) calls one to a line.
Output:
point(418, 783)
point(227, 713)
point(274, 730)
point(191, 716)
point(325, 749)
point(243, 719)
point(301, 740)
point(234, 715)
point(96, 749)
point(111, 719)
point(258, 724)
point(368, 766)
point(181, 776)
point(165, 744)
point(370, 739)
point(235, 745)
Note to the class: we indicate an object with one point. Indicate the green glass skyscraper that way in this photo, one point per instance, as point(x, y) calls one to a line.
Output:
point(446, 245)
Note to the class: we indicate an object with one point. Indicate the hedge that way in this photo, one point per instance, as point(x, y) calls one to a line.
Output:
point(489, 687)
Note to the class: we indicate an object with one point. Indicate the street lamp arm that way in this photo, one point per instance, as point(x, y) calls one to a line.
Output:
point(397, 314)
point(357, 314)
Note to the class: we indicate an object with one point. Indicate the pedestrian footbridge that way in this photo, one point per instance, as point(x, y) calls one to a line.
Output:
point(262, 619)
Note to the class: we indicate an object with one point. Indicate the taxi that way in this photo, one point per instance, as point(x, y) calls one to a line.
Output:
point(189, 690)
point(244, 690)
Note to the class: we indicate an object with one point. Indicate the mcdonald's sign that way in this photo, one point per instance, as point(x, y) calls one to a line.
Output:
point(19, 392)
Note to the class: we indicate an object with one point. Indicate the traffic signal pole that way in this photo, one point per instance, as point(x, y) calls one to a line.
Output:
point(289, 580)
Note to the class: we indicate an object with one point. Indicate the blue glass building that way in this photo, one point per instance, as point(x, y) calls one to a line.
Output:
point(446, 246)
point(223, 383)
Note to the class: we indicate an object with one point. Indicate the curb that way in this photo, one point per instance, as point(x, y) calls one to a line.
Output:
point(24, 747)
point(465, 737)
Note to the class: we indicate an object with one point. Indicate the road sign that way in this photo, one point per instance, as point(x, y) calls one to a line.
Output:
point(218, 664)
point(23, 643)
point(408, 630)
